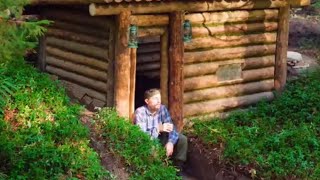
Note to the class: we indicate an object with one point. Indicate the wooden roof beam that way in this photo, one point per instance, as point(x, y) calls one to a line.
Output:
point(192, 6)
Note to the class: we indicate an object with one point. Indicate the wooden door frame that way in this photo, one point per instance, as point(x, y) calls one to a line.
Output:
point(164, 67)
point(169, 27)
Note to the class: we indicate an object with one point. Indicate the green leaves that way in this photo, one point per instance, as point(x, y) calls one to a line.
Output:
point(43, 138)
point(17, 36)
point(6, 90)
point(145, 157)
point(281, 138)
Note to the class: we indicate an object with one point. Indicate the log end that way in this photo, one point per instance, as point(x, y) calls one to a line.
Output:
point(299, 3)
point(92, 9)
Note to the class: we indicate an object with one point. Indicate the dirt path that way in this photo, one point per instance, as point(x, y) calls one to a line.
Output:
point(108, 160)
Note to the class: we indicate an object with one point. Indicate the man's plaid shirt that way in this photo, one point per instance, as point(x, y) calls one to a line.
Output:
point(150, 123)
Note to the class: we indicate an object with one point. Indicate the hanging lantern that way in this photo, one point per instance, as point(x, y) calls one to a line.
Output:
point(187, 31)
point(133, 36)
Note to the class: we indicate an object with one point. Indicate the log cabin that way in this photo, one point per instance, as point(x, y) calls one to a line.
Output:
point(236, 57)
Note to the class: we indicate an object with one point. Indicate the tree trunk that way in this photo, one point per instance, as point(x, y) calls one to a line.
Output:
point(176, 69)
point(282, 47)
point(122, 66)
point(133, 62)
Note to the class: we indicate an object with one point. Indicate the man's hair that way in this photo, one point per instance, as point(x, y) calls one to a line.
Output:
point(151, 92)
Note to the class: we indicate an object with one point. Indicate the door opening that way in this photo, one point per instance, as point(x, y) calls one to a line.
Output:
point(148, 67)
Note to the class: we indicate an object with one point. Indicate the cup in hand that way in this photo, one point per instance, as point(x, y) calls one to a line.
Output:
point(167, 127)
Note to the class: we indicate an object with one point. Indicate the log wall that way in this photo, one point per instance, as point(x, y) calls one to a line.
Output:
point(230, 61)
point(79, 50)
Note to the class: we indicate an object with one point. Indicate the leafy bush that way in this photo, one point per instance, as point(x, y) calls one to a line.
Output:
point(17, 36)
point(279, 139)
point(145, 157)
point(40, 134)
point(6, 89)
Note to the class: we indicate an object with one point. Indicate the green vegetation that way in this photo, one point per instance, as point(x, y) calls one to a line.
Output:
point(316, 4)
point(278, 139)
point(6, 89)
point(17, 35)
point(145, 158)
point(17, 38)
point(41, 136)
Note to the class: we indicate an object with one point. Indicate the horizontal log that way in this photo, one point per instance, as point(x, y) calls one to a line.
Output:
point(150, 74)
point(259, 62)
point(229, 53)
point(244, 28)
point(78, 17)
point(228, 91)
point(258, 74)
point(88, 91)
point(225, 104)
point(147, 58)
point(229, 41)
point(65, 2)
point(232, 16)
point(77, 68)
point(149, 48)
point(148, 67)
point(84, 49)
point(87, 82)
point(299, 3)
point(149, 20)
point(207, 81)
point(199, 69)
point(91, 31)
point(151, 31)
point(69, 35)
point(293, 3)
point(77, 58)
point(148, 39)
point(192, 6)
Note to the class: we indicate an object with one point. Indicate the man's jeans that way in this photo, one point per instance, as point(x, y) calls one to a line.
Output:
point(180, 148)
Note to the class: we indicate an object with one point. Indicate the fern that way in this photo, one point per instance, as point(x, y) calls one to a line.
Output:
point(16, 39)
point(7, 89)
point(17, 36)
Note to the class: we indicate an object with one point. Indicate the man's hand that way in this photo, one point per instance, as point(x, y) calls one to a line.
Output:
point(169, 148)
point(167, 127)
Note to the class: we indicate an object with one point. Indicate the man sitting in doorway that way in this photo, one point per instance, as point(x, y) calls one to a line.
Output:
point(154, 119)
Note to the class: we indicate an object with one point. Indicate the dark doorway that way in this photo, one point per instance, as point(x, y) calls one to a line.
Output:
point(148, 67)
